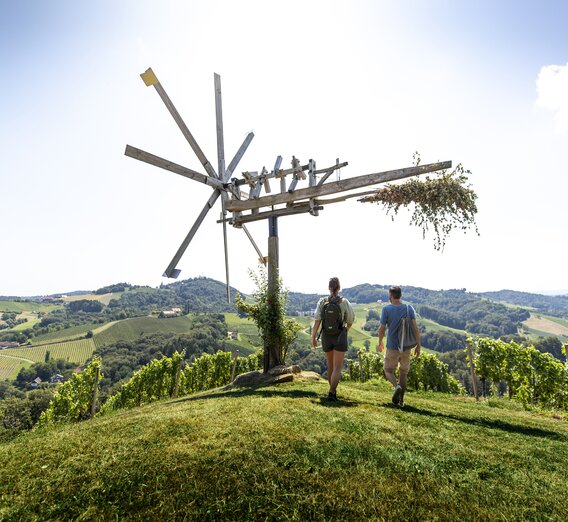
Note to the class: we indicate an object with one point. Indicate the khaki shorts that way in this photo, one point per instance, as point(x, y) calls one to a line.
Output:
point(394, 357)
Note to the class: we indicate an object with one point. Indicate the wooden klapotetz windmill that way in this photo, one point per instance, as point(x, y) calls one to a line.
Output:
point(251, 205)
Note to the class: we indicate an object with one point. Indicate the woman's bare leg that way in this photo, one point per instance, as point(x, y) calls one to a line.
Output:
point(330, 366)
point(338, 358)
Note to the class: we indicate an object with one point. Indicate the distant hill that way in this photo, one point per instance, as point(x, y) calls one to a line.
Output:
point(547, 304)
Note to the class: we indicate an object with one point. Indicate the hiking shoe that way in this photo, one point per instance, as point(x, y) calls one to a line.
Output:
point(397, 395)
point(332, 397)
point(401, 403)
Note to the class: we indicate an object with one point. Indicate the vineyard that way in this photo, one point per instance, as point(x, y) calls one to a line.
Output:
point(77, 351)
point(66, 334)
point(10, 366)
point(427, 373)
point(76, 399)
point(532, 377)
point(132, 329)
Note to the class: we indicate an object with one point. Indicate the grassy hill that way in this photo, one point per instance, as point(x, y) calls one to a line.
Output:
point(283, 453)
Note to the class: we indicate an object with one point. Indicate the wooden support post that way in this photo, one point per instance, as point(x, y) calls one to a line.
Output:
point(472, 368)
point(233, 369)
point(177, 379)
point(361, 367)
point(95, 394)
point(272, 354)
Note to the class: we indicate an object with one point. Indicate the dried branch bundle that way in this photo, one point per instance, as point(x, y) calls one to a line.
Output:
point(441, 203)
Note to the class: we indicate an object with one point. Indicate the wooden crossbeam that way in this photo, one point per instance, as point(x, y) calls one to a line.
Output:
point(302, 208)
point(151, 159)
point(336, 187)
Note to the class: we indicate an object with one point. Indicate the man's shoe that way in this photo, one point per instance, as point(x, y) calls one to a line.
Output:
point(332, 397)
point(396, 396)
point(401, 403)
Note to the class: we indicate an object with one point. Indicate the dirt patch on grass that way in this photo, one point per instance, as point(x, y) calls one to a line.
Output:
point(546, 325)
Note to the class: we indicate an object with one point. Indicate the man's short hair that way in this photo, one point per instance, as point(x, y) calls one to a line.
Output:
point(395, 292)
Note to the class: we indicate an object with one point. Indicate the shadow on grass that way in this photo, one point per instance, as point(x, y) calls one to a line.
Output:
point(246, 392)
point(341, 402)
point(483, 423)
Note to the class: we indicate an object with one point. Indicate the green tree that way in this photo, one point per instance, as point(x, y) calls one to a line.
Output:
point(268, 312)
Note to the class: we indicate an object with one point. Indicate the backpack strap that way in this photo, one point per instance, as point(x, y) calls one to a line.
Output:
point(325, 301)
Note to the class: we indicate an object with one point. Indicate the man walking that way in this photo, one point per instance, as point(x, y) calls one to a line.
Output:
point(396, 356)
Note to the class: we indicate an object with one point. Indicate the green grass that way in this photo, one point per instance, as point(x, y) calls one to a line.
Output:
point(283, 453)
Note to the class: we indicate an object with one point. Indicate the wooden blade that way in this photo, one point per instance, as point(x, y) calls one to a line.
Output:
point(235, 161)
point(219, 120)
point(151, 159)
point(171, 271)
point(150, 78)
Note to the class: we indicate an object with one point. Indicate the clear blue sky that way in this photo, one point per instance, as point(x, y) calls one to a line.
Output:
point(482, 83)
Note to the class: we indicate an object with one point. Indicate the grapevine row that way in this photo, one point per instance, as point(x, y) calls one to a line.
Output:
point(427, 372)
point(165, 377)
point(533, 377)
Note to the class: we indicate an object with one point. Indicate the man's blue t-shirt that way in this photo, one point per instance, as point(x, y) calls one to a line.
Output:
point(390, 317)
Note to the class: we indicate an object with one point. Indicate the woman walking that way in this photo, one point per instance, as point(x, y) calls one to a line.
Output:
point(336, 316)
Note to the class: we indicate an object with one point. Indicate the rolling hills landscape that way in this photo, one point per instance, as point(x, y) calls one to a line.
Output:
point(194, 458)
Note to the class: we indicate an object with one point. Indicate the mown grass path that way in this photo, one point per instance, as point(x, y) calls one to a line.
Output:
point(284, 453)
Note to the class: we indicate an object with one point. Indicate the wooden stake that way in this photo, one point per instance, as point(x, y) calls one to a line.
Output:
point(95, 394)
point(235, 355)
point(472, 368)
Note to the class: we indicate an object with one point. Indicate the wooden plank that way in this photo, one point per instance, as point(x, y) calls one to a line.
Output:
point(336, 186)
point(235, 161)
point(151, 159)
point(302, 208)
point(219, 120)
point(171, 270)
point(183, 127)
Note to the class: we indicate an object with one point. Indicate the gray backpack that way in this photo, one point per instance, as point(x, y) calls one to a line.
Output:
point(406, 334)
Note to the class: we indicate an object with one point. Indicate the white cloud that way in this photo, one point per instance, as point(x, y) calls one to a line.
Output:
point(552, 89)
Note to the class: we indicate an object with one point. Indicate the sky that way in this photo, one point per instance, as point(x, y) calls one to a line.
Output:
point(482, 83)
